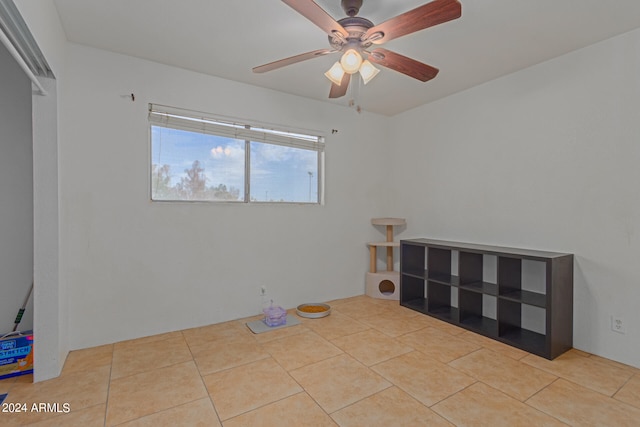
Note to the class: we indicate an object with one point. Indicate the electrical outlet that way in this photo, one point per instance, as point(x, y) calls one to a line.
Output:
point(617, 325)
point(263, 290)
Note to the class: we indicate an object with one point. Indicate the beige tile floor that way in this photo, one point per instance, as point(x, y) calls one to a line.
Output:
point(370, 363)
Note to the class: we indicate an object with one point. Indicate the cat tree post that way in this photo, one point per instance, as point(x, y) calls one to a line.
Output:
point(384, 284)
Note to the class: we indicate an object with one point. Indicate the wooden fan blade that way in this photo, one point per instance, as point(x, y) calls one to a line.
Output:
point(425, 16)
point(403, 64)
point(340, 90)
point(291, 60)
point(314, 13)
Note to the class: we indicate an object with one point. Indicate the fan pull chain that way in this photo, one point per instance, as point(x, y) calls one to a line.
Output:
point(354, 92)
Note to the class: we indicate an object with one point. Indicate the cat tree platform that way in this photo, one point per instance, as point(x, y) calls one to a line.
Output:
point(383, 284)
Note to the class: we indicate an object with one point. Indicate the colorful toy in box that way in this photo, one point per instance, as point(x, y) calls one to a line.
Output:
point(16, 354)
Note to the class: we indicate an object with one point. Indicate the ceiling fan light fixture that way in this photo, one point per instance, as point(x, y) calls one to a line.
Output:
point(352, 36)
point(335, 73)
point(368, 71)
point(351, 61)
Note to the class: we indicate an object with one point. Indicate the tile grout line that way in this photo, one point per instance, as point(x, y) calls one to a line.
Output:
point(622, 386)
point(465, 355)
point(343, 352)
point(526, 402)
point(161, 367)
point(598, 392)
point(367, 397)
point(302, 389)
point(566, 378)
point(442, 400)
point(265, 405)
point(153, 369)
point(106, 403)
point(453, 394)
point(193, 358)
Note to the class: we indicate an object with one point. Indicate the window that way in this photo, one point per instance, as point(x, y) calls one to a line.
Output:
point(197, 157)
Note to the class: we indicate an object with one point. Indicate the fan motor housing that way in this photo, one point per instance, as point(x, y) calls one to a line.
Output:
point(355, 23)
point(351, 7)
point(355, 26)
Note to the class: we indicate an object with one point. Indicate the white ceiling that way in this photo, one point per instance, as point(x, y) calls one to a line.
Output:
point(227, 38)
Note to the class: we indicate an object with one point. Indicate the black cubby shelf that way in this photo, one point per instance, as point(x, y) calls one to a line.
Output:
point(481, 287)
point(421, 274)
point(520, 297)
point(526, 297)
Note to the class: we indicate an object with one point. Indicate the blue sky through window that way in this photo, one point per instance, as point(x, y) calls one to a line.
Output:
point(277, 173)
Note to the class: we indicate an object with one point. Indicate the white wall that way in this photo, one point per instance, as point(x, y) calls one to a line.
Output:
point(545, 158)
point(50, 298)
point(51, 303)
point(16, 194)
point(137, 268)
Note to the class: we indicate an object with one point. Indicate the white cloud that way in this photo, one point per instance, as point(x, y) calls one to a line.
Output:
point(221, 151)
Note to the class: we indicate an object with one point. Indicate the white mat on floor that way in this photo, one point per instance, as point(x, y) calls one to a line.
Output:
point(258, 326)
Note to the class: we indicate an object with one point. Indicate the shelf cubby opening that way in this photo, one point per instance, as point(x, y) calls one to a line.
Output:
point(534, 276)
point(470, 268)
point(484, 325)
point(534, 319)
point(525, 339)
point(439, 301)
point(439, 262)
point(516, 326)
point(438, 294)
point(411, 288)
point(478, 312)
point(523, 281)
point(444, 312)
point(489, 268)
point(509, 275)
point(418, 304)
point(412, 258)
point(509, 316)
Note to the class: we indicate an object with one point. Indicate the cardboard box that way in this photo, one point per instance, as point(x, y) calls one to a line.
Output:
point(16, 354)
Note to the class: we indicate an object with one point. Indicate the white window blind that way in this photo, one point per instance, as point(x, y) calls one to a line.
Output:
point(175, 118)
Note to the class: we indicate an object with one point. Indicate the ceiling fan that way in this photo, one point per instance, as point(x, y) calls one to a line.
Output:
point(355, 37)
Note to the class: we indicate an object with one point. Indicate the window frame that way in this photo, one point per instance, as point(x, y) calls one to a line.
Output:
point(242, 130)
